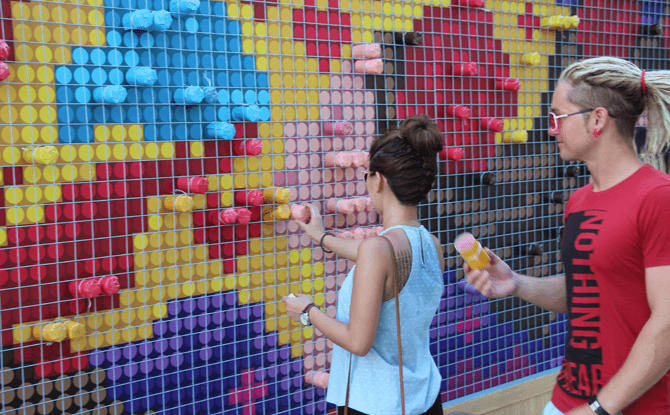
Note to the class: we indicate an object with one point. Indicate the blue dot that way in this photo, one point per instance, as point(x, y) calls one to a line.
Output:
point(205, 25)
point(191, 25)
point(249, 79)
point(196, 132)
point(162, 60)
point(164, 96)
point(84, 114)
point(235, 62)
point(224, 114)
point(192, 60)
point(180, 132)
point(194, 114)
point(236, 79)
point(265, 114)
point(63, 75)
point(132, 58)
point(133, 96)
point(193, 78)
point(262, 80)
point(66, 134)
point(164, 114)
point(81, 76)
point(147, 40)
point(83, 95)
point(149, 114)
point(234, 45)
point(112, 19)
point(148, 96)
point(65, 114)
point(206, 43)
point(98, 57)
point(224, 97)
point(85, 134)
point(221, 45)
point(234, 27)
point(250, 97)
point(150, 133)
point(114, 38)
point(134, 114)
point(114, 57)
point(116, 76)
point(209, 114)
point(64, 94)
point(206, 60)
point(249, 63)
point(80, 56)
point(180, 114)
point(117, 114)
point(178, 78)
point(166, 133)
point(178, 60)
point(220, 27)
point(101, 114)
point(162, 40)
point(205, 8)
point(221, 62)
point(263, 97)
point(219, 10)
point(222, 79)
point(147, 59)
point(99, 76)
point(192, 42)
point(130, 39)
point(177, 42)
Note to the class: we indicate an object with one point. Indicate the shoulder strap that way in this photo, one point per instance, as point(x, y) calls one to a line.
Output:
point(397, 319)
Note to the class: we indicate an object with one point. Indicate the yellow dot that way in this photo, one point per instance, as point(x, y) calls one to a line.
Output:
point(11, 155)
point(63, 54)
point(197, 149)
point(119, 152)
point(28, 114)
point(15, 216)
point(240, 181)
point(261, 62)
point(44, 54)
point(167, 150)
point(52, 193)
point(33, 194)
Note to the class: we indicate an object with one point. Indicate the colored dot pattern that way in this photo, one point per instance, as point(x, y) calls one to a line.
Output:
point(197, 326)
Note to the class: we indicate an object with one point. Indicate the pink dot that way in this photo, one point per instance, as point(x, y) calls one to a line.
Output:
point(329, 269)
point(327, 144)
point(279, 179)
point(328, 176)
point(290, 145)
point(314, 129)
point(361, 188)
point(359, 82)
point(349, 143)
point(348, 112)
point(339, 190)
point(304, 192)
point(351, 188)
point(339, 175)
point(324, 97)
point(303, 129)
point(337, 113)
point(305, 241)
point(346, 66)
point(326, 113)
point(293, 241)
point(304, 177)
point(335, 82)
point(359, 128)
point(291, 178)
point(359, 97)
point(337, 144)
point(289, 129)
point(347, 82)
point(370, 127)
point(370, 112)
point(336, 97)
point(360, 113)
point(316, 176)
point(369, 97)
point(303, 145)
point(291, 162)
point(348, 97)
point(316, 160)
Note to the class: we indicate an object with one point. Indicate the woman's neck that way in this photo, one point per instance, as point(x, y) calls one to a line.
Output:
point(400, 215)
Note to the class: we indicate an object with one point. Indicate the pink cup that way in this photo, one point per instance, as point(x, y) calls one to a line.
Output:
point(301, 213)
point(371, 66)
point(369, 51)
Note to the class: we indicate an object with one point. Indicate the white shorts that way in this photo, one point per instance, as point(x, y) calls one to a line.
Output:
point(550, 409)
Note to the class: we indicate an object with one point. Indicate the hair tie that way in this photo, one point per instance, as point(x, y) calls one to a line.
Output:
point(644, 85)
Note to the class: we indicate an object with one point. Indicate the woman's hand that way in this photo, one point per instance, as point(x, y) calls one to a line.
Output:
point(494, 281)
point(294, 306)
point(314, 229)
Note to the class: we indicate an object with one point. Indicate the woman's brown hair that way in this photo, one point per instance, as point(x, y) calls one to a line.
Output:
point(407, 157)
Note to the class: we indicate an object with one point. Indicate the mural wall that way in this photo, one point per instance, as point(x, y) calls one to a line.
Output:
point(151, 153)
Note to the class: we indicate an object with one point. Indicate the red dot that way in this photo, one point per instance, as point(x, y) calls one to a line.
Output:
point(69, 192)
point(18, 255)
point(88, 191)
point(43, 369)
point(55, 251)
point(37, 253)
point(229, 267)
point(72, 230)
point(324, 65)
point(241, 248)
point(310, 48)
point(298, 15)
point(121, 189)
point(125, 262)
point(199, 236)
point(4, 277)
point(214, 251)
point(53, 212)
point(227, 233)
point(298, 32)
point(16, 235)
point(80, 361)
point(92, 266)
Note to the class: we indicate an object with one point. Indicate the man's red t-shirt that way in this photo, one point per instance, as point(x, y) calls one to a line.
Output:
point(610, 238)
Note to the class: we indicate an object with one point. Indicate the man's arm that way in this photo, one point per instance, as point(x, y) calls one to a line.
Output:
point(649, 359)
point(548, 293)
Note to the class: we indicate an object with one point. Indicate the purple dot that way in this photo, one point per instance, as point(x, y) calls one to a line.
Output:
point(174, 308)
point(176, 343)
point(175, 326)
point(260, 374)
point(190, 323)
point(297, 366)
point(115, 373)
point(160, 328)
point(257, 327)
point(145, 349)
point(218, 318)
point(204, 320)
point(258, 343)
point(130, 370)
point(257, 310)
point(162, 363)
point(161, 346)
point(203, 303)
point(176, 360)
point(217, 301)
point(284, 353)
point(219, 335)
point(129, 351)
point(231, 315)
point(271, 340)
point(230, 299)
point(189, 305)
point(272, 356)
point(96, 358)
point(113, 355)
point(206, 354)
point(146, 366)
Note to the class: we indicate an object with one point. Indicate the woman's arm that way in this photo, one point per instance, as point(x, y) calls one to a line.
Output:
point(345, 248)
point(372, 267)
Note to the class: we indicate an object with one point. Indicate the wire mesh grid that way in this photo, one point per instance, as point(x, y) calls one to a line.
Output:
point(108, 104)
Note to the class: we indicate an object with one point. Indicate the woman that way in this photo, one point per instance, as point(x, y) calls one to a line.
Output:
point(616, 246)
point(403, 167)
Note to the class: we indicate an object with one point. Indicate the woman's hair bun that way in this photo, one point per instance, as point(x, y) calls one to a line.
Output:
point(422, 134)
